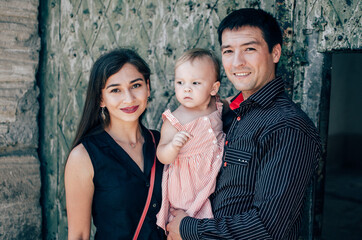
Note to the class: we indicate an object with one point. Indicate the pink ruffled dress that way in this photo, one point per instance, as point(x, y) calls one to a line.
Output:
point(188, 182)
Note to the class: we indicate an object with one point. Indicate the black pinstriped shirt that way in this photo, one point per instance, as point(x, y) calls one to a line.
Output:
point(271, 152)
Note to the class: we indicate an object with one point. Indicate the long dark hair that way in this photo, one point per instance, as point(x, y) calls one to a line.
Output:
point(105, 66)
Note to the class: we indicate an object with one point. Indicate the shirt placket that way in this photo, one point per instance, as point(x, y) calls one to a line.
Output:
point(231, 129)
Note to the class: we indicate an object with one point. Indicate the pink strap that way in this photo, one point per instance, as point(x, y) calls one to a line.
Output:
point(150, 190)
point(173, 120)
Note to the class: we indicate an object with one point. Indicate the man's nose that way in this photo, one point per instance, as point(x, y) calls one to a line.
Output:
point(239, 59)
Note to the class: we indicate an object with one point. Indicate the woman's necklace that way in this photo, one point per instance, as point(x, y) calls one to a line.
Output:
point(131, 144)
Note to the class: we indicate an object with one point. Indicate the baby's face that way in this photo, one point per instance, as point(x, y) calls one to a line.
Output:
point(195, 83)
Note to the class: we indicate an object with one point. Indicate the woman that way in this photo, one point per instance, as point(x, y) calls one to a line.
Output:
point(108, 171)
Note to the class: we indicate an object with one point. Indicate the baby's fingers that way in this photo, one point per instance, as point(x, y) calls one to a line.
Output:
point(186, 134)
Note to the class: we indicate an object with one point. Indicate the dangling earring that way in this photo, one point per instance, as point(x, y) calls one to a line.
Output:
point(103, 115)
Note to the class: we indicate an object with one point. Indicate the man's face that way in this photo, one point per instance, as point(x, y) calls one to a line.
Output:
point(246, 59)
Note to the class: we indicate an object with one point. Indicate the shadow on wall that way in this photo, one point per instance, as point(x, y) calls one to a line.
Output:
point(342, 215)
point(344, 151)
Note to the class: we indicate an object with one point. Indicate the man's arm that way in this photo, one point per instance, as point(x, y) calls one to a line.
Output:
point(288, 161)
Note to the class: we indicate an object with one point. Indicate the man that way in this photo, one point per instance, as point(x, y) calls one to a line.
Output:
point(271, 148)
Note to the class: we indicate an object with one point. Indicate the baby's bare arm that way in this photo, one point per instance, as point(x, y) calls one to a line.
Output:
point(170, 143)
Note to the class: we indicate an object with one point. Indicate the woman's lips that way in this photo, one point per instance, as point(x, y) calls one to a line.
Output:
point(130, 109)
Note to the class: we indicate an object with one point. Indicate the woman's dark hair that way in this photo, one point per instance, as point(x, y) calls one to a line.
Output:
point(253, 18)
point(105, 66)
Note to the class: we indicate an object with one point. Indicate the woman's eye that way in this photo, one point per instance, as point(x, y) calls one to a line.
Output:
point(115, 90)
point(137, 85)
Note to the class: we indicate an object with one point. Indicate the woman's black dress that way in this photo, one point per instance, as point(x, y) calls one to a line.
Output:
point(121, 188)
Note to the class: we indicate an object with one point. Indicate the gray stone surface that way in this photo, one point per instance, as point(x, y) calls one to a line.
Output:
point(20, 211)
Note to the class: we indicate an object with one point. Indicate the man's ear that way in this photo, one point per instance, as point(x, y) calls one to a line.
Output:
point(215, 88)
point(276, 53)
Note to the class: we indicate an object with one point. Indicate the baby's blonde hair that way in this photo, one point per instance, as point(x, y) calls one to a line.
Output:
point(199, 53)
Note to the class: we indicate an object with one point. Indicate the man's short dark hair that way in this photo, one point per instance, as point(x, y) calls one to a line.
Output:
point(253, 18)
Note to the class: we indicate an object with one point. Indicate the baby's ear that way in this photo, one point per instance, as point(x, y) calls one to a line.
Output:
point(215, 88)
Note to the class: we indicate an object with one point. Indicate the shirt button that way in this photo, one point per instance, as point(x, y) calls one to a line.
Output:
point(217, 156)
point(214, 141)
point(210, 130)
point(154, 205)
point(147, 185)
point(205, 118)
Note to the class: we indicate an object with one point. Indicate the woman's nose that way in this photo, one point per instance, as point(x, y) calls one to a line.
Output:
point(127, 97)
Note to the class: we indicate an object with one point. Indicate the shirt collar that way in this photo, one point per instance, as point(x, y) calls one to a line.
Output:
point(236, 101)
point(263, 96)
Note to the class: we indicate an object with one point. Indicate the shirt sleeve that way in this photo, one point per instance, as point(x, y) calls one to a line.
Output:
point(288, 158)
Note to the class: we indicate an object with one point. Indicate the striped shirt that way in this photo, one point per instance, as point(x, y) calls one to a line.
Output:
point(271, 153)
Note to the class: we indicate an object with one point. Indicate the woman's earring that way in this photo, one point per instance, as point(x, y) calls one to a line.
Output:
point(103, 115)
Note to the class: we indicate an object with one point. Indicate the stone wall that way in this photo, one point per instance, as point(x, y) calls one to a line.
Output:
point(20, 211)
point(75, 33)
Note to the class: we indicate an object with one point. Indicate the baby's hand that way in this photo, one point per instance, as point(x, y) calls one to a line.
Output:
point(180, 139)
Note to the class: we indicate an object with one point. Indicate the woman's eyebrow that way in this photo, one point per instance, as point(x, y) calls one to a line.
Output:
point(136, 80)
point(112, 85)
point(117, 84)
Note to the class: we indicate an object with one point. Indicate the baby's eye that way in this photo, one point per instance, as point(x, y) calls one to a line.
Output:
point(196, 83)
point(178, 82)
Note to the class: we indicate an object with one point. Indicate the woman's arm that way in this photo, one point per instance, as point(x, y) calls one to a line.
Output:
point(79, 191)
point(170, 143)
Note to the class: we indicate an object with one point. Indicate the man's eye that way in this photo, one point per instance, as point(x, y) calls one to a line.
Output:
point(249, 49)
point(227, 51)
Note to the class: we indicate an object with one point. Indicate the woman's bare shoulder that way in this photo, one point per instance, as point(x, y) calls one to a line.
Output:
point(79, 160)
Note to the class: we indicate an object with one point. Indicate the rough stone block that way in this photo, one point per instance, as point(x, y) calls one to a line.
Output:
point(20, 211)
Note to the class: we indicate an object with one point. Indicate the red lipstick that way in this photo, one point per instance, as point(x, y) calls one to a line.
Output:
point(130, 109)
